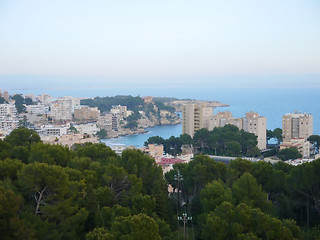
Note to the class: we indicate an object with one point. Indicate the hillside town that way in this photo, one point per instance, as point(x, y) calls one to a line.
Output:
point(66, 121)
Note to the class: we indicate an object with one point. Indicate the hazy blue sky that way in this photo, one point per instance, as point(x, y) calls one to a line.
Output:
point(177, 41)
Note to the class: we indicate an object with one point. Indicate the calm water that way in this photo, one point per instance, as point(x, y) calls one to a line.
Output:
point(139, 139)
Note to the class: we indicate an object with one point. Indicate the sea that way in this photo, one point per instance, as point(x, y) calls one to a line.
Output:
point(271, 102)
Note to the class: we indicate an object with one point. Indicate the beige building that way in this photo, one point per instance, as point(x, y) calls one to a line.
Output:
point(119, 111)
point(147, 99)
point(86, 113)
point(253, 123)
point(301, 144)
point(153, 150)
point(106, 122)
point(195, 117)
point(5, 95)
point(221, 119)
point(70, 139)
point(8, 123)
point(297, 125)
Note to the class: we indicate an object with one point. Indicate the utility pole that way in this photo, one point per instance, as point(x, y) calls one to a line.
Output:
point(184, 219)
point(178, 178)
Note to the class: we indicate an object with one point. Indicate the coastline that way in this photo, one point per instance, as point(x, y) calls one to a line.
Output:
point(139, 132)
point(137, 140)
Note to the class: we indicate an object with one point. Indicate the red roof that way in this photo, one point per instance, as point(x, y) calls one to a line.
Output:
point(168, 161)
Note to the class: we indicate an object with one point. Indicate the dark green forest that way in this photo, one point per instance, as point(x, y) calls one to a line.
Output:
point(88, 192)
point(133, 103)
point(223, 141)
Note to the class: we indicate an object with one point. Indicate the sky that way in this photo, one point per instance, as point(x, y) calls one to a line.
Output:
point(176, 42)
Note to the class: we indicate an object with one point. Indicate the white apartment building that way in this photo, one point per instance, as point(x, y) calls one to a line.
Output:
point(88, 128)
point(8, 110)
point(50, 130)
point(37, 109)
point(61, 109)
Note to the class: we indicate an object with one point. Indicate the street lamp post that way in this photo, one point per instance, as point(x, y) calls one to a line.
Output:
point(184, 218)
point(178, 178)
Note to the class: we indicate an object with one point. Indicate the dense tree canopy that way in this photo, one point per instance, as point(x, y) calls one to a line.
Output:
point(52, 192)
point(2, 100)
point(289, 153)
point(89, 192)
point(105, 103)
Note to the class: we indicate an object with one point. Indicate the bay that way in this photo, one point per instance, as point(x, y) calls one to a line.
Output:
point(272, 103)
point(138, 140)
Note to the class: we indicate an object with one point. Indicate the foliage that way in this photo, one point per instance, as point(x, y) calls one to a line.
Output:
point(132, 120)
point(105, 103)
point(276, 134)
point(99, 234)
point(315, 141)
point(89, 192)
point(102, 134)
point(135, 227)
point(28, 101)
point(22, 137)
point(289, 153)
point(155, 140)
point(227, 140)
point(20, 101)
point(228, 221)
point(2, 100)
point(162, 106)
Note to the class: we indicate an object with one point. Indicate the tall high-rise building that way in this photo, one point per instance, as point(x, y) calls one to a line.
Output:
point(297, 125)
point(253, 123)
point(195, 117)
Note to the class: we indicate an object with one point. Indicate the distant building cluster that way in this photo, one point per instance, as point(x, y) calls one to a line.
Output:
point(296, 127)
point(195, 117)
point(54, 119)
